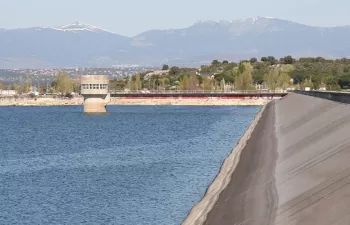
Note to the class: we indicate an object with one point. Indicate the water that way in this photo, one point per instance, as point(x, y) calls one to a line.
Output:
point(135, 165)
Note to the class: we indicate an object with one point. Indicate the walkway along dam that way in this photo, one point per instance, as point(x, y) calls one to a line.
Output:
point(291, 167)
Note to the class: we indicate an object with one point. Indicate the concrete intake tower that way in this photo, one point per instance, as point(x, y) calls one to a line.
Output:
point(94, 88)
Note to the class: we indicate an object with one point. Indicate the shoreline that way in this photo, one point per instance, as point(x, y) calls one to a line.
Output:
point(199, 213)
point(137, 101)
point(189, 102)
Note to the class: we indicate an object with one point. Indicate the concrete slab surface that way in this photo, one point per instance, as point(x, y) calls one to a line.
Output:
point(295, 168)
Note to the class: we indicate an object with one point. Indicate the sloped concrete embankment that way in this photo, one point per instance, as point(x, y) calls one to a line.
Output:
point(295, 168)
point(313, 166)
point(199, 212)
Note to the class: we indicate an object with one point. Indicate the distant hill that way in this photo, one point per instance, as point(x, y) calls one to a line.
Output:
point(80, 45)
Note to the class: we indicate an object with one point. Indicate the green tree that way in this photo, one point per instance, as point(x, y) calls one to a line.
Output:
point(28, 81)
point(278, 77)
point(287, 60)
point(215, 62)
point(184, 82)
point(222, 84)
point(207, 83)
point(307, 83)
point(138, 81)
point(244, 78)
point(271, 78)
point(192, 82)
point(165, 67)
point(253, 60)
point(130, 85)
point(174, 71)
point(332, 84)
point(54, 84)
point(264, 59)
point(164, 82)
point(20, 88)
point(64, 84)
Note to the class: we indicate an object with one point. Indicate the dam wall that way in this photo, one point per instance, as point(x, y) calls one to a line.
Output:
point(294, 169)
point(343, 97)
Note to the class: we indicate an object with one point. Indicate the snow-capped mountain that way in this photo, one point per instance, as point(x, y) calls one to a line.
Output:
point(80, 27)
point(80, 44)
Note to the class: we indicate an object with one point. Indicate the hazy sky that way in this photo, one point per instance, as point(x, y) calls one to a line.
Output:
point(130, 17)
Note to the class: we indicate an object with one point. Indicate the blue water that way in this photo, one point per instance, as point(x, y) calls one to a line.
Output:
point(135, 165)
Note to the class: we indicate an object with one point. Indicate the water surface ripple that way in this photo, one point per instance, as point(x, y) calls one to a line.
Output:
point(135, 165)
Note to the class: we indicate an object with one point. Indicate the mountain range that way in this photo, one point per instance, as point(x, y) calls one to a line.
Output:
point(82, 45)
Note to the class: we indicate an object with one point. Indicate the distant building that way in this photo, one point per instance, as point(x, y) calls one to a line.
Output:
point(8, 92)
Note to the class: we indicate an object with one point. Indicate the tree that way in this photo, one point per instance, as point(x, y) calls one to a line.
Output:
point(28, 81)
point(184, 83)
point(272, 60)
point(271, 78)
point(278, 77)
point(332, 84)
point(64, 84)
point(253, 60)
point(192, 82)
point(20, 88)
point(284, 79)
point(207, 83)
point(164, 82)
point(307, 83)
point(1, 86)
point(165, 67)
point(287, 60)
point(222, 84)
point(320, 59)
point(174, 71)
point(54, 84)
point(137, 81)
point(244, 79)
point(225, 62)
point(215, 62)
point(130, 85)
point(264, 59)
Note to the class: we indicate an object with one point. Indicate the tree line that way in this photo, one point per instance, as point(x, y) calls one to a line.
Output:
point(63, 85)
point(266, 72)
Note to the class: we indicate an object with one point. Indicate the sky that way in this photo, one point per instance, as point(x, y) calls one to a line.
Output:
point(131, 17)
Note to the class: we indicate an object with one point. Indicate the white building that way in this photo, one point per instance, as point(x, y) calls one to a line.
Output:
point(8, 92)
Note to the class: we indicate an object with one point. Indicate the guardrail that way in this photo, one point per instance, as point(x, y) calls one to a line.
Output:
point(337, 96)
